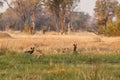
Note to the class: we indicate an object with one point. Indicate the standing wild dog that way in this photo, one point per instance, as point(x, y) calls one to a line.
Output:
point(75, 48)
point(30, 51)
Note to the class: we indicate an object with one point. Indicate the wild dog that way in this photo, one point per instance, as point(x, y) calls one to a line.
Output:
point(75, 48)
point(30, 51)
point(64, 50)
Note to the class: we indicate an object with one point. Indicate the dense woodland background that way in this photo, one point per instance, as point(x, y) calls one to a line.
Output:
point(60, 16)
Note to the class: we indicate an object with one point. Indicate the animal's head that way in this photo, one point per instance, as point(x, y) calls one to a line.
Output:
point(32, 48)
point(74, 44)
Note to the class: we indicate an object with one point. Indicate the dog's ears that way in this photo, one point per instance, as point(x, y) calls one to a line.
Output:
point(31, 48)
point(74, 44)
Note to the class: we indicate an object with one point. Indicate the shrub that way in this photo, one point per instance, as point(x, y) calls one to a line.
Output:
point(112, 29)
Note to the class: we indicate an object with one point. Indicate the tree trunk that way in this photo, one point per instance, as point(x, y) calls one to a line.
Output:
point(63, 27)
point(69, 28)
point(33, 23)
point(57, 24)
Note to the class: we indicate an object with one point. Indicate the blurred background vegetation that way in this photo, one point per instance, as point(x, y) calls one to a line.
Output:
point(60, 16)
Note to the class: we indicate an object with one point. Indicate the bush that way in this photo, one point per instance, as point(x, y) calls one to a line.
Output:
point(112, 29)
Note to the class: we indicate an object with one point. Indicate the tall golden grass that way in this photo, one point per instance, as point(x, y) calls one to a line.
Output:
point(49, 43)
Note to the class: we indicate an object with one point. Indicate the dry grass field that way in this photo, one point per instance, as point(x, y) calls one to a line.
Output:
point(54, 43)
point(98, 58)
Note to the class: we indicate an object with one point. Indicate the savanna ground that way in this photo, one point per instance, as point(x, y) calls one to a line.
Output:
point(97, 58)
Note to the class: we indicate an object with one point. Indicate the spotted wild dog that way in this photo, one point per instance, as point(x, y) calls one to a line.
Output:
point(30, 51)
point(75, 48)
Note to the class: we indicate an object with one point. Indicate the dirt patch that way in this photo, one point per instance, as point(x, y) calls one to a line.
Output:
point(4, 35)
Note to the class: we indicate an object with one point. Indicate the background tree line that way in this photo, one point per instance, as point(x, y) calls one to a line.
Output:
point(40, 14)
point(49, 15)
point(59, 15)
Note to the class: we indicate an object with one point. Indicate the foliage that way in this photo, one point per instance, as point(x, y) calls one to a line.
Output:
point(113, 29)
point(104, 9)
point(9, 20)
point(118, 12)
point(25, 10)
point(81, 20)
point(21, 12)
point(61, 8)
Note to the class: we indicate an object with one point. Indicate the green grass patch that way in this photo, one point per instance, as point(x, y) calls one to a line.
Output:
point(60, 67)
